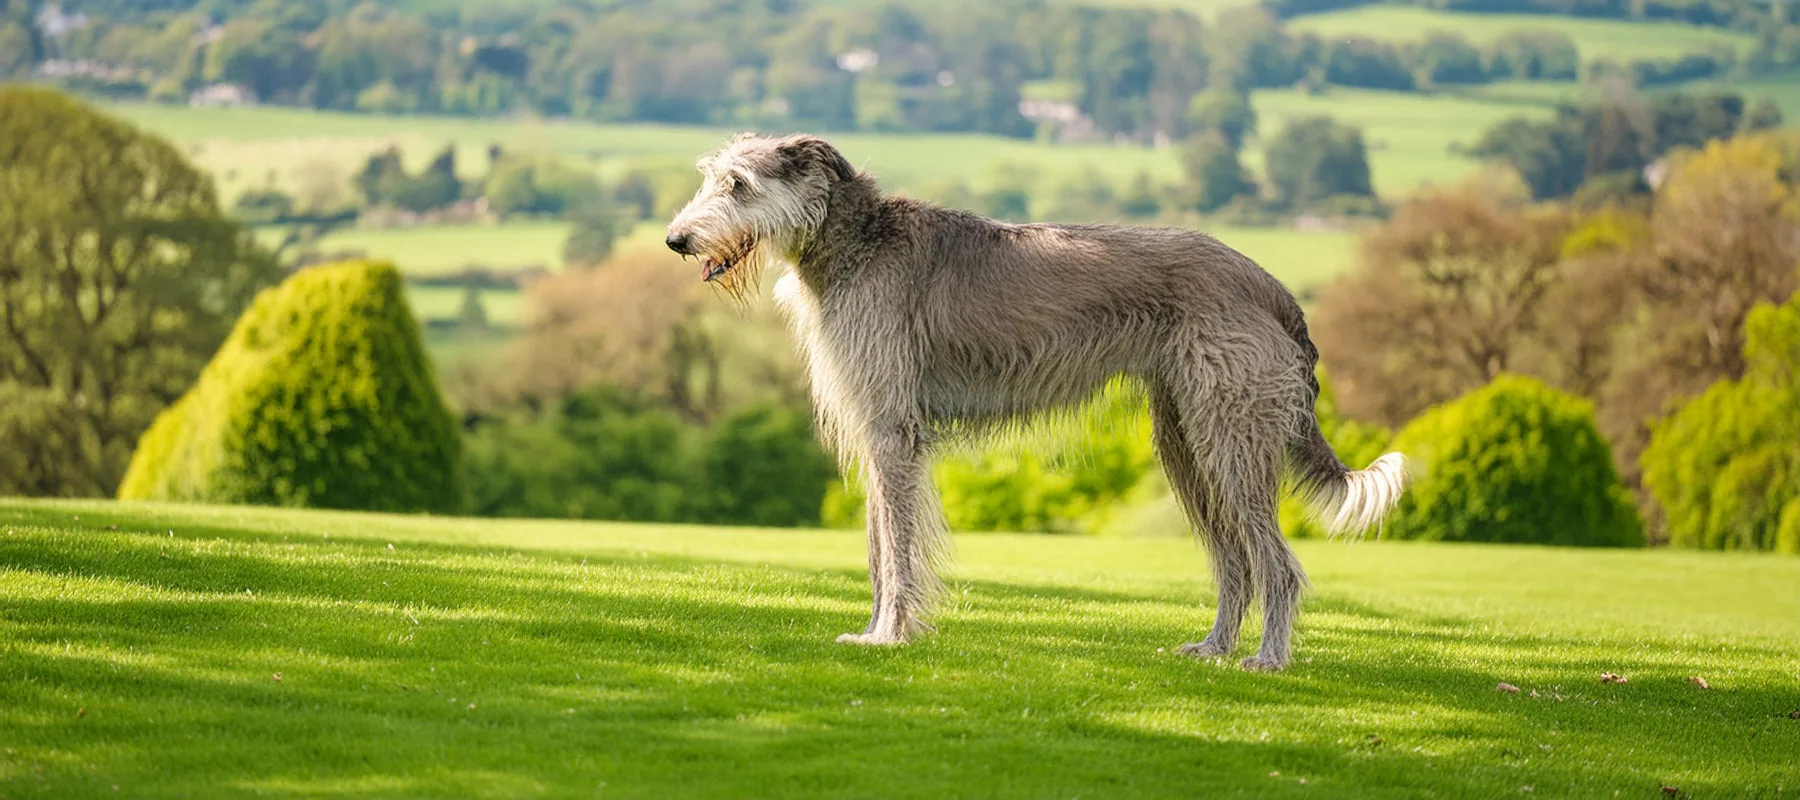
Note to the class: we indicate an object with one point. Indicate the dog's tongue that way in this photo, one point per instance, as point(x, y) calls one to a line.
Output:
point(708, 272)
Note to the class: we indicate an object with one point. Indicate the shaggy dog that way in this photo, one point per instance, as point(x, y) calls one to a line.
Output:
point(916, 320)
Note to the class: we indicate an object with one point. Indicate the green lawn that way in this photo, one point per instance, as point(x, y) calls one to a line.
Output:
point(206, 652)
point(1596, 38)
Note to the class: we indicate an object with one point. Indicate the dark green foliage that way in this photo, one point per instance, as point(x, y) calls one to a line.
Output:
point(1692, 120)
point(530, 186)
point(1614, 137)
point(763, 466)
point(1535, 55)
point(1215, 172)
point(263, 205)
point(1725, 469)
point(321, 397)
point(1315, 158)
point(1447, 58)
point(1515, 461)
point(599, 455)
point(119, 277)
point(1367, 63)
point(594, 455)
point(1549, 155)
point(436, 187)
point(1225, 111)
point(1763, 116)
point(383, 181)
point(598, 224)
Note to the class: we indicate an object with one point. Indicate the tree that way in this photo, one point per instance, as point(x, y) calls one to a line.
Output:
point(1226, 111)
point(1725, 468)
point(1514, 461)
point(119, 276)
point(1763, 116)
point(1316, 158)
point(1446, 58)
point(1215, 172)
point(322, 397)
point(1551, 155)
point(1721, 242)
point(596, 227)
point(1446, 297)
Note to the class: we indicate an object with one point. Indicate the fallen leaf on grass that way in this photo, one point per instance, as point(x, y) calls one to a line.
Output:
point(277, 677)
point(1671, 790)
point(1795, 714)
point(1700, 682)
point(1507, 688)
point(80, 712)
point(1613, 677)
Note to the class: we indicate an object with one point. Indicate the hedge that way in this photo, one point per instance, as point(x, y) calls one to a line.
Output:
point(322, 396)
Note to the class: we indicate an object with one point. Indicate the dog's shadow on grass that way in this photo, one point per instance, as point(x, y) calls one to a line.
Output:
point(469, 669)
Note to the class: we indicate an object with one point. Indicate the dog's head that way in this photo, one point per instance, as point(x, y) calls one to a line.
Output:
point(762, 199)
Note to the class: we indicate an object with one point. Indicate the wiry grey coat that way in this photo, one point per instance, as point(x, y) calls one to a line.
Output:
point(914, 318)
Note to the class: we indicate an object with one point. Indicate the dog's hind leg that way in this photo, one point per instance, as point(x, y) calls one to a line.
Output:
point(1200, 499)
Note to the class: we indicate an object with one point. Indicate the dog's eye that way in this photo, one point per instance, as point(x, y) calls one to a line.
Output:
point(733, 183)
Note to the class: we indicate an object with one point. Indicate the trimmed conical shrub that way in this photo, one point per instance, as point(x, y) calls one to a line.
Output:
point(322, 397)
point(1514, 461)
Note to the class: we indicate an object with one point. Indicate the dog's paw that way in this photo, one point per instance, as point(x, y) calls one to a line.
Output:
point(1206, 649)
point(872, 639)
point(1261, 663)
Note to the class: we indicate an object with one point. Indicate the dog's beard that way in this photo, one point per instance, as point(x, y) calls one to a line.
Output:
point(734, 271)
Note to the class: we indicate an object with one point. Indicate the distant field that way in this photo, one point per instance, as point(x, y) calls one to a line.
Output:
point(1597, 38)
point(434, 250)
point(1408, 134)
point(241, 145)
point(504, 307)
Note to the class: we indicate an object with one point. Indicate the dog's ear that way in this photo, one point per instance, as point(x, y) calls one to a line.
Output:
point(815, 151)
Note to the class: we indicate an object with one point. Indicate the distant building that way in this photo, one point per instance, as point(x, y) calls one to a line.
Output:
point(861, 59)
point(222, 95)
point(54, 23)
point(1064, 119)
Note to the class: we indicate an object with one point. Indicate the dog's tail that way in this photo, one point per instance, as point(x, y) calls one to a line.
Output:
point(1344, 500)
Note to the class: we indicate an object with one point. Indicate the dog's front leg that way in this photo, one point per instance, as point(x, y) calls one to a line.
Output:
point(877, 551)
point(899, 545)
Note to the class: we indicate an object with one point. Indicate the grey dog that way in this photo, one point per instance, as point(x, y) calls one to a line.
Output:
point(914, 320)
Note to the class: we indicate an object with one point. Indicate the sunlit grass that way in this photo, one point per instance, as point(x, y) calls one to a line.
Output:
point(455, 657)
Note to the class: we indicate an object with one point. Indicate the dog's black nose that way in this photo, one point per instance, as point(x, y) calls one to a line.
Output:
point(677, 242)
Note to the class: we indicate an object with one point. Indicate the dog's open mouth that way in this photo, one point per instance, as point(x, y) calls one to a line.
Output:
point(711, 268)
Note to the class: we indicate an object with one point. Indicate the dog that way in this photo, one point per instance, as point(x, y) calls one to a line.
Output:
point(914, 320)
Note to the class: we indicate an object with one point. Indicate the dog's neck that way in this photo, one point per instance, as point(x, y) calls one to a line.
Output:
point(842, 242)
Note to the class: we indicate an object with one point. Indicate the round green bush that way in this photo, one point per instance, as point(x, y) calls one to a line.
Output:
point(1514, 461)
point(321, 397)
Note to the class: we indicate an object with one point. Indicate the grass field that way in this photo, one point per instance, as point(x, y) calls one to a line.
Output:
point(444, 249)
point(237, 144)
point(1596, 38)
point(1412, 134)
point(178, 651)
point(1408, 134)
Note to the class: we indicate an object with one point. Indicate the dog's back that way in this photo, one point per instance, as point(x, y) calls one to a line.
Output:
point(1021, 318)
